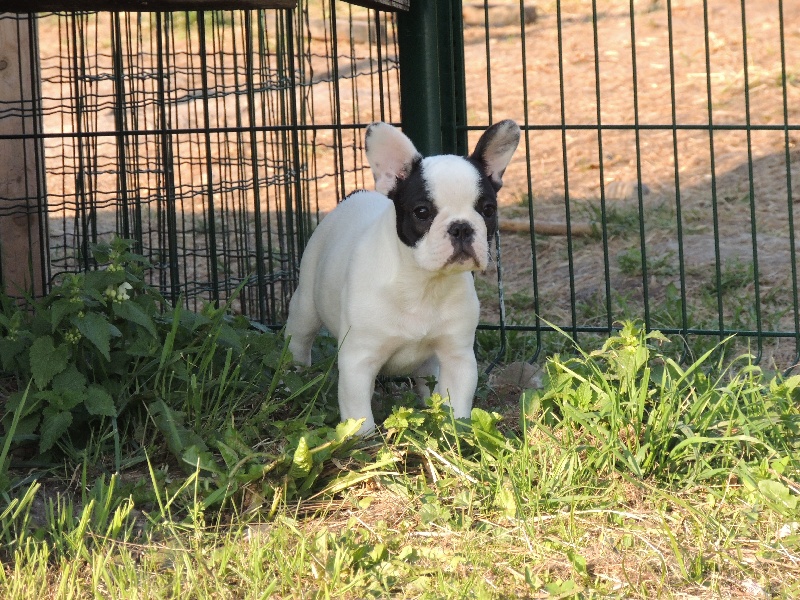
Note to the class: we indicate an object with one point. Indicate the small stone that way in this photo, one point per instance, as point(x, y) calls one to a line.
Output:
point(753, 589)
point(520, 374)
point(788, 529)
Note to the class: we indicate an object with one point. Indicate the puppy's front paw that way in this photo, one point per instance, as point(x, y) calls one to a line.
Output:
point(367, 428)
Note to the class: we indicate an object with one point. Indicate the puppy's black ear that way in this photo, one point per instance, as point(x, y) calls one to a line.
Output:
point(390, 154)
point(495, 148)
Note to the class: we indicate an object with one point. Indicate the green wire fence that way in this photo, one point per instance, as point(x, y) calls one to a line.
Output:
point(667, 131)
point(656, 179)
point(212, 139)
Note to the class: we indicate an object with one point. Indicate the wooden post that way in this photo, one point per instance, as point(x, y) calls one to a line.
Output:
point(22, 193)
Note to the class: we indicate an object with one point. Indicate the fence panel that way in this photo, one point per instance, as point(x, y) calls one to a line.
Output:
point(213, 139)
point(660, 146)
point(657, 177)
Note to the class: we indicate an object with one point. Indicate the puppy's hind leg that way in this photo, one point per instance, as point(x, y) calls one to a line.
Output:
point(302, 326)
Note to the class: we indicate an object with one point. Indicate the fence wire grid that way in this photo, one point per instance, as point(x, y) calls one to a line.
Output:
point(660, 145)
point(657, 177)
point(208, 138)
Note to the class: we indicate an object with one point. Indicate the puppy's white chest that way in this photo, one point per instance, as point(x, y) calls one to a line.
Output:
point(409, 356)
point(422, 327)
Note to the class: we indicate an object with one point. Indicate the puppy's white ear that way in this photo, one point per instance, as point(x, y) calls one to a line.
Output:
point(390, 154)
point(495, 149)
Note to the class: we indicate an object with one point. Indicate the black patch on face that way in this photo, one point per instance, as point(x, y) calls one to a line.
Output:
point(486, 204)
point(414, 209)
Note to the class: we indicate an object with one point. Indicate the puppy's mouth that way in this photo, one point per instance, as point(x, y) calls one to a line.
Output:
point(463, 255)
point(462, 236)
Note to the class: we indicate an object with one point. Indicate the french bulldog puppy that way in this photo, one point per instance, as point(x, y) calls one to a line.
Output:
point(388, 272)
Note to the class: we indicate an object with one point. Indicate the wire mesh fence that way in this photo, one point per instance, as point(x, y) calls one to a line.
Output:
point(657, 178)
point(660, 146)
point(211, 139)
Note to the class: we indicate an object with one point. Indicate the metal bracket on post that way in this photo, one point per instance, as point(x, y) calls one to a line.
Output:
point(432, 95)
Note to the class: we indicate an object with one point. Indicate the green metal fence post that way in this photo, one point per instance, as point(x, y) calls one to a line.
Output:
point(452, 80)
point(432, 95)
point(418, 46)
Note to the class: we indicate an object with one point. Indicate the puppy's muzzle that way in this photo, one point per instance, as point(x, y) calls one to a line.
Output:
point(461, 235)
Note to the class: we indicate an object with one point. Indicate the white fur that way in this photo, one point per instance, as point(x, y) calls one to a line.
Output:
point(395, 309)
point(390, 154)
point(389, 315)
point(450, 180)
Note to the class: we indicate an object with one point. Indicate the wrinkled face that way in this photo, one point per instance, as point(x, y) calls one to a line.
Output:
point(447, 213)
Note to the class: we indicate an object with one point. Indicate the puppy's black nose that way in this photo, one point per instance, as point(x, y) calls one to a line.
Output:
point(461, 231)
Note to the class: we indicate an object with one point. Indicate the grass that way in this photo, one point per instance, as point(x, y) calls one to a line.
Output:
point(625, 475)
point(224, 474)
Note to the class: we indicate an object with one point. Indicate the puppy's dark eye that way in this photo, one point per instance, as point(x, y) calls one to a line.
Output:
point(489, 211)
point(423, 213)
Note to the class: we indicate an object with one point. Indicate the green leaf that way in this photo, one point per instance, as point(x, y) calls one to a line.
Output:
point(67, 390)
point(101, 252)
point(9, 436)
point(433, 511)
point(578, 563)
point(170, 423)
point(9, 350)
point(60, 308)
point(229, 455)
point(404, 418)
point(27, 428)
point(302, 460)
point(54, 424)
point(561, 589)
point(97, 330)
point(229, 337)
point(504, 500)
point(485, 421)
point(47, 360)
point(583, 397)
point(778, 493)
point(199, 456)
point(184, 443)
point(69, 380)
point(221, 493)
point(309, 480)
point(530, 403)
point(14, 404)
point(792, 382)
point(130, 311)
point(99, 402)
point(347, 429)
point(169, 342)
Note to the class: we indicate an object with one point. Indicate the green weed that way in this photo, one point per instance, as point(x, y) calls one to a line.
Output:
point(630, 263)
point(733, 277)
point(627, 474)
